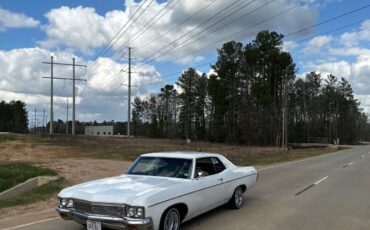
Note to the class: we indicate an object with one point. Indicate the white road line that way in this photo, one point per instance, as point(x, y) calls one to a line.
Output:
point(321, 180)
point(293, 162)
point(289, 163)
point(350, 163)
point(32, 223)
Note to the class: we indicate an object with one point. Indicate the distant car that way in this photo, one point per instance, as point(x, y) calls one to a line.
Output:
point(159, 191)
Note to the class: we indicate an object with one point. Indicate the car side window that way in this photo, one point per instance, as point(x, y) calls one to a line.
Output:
point(219, 166)
point(206, 166)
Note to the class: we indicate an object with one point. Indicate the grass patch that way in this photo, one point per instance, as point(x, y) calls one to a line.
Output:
point(271, 156)
point(37, 194)
point(115, 148)
point(15, 173)
point(128, 149)
point(8, 137)
point(26, 138)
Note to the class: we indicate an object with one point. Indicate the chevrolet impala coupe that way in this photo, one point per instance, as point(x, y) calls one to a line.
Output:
point(159, 191)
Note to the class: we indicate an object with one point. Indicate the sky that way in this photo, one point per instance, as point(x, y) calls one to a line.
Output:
point(166, 38)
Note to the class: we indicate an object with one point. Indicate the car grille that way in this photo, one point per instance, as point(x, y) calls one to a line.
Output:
point(99, 209)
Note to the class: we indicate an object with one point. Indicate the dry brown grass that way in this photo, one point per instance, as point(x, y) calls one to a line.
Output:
point(127, 149)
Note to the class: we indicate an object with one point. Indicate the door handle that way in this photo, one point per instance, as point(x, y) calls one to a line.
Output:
point(221, 179)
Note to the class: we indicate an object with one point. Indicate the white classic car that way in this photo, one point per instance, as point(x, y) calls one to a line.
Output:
point(159, 191)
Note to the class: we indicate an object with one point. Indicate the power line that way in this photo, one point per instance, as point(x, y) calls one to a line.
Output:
point(111, 43)
point(151, 1)
point(276, 15)
point(224, 18)
point(306, 28)
point(152, 21)
point(204, 22)
point(178, 24)
point(302, 40)
point(90, 67)
point(195, 67)
point(328, 20)
point(101, 80)
point(189, 41)
point(334, 30)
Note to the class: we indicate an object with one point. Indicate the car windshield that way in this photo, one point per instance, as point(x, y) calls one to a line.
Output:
point(162, 166)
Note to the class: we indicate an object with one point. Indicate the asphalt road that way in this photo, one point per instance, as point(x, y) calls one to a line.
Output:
point(326, 192)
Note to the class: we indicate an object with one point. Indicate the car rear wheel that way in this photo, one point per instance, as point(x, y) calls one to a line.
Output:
point(237, 199)
point(171, 220)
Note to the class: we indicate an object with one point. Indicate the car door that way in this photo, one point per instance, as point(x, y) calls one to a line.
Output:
point(209, 185)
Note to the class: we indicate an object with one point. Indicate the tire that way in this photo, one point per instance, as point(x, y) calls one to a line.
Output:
point(237, 200)
point(170, 220)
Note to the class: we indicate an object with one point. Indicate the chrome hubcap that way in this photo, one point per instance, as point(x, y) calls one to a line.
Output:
point(238, 197)
point(172, 220)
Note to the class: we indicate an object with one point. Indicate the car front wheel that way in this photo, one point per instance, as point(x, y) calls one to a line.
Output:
point(237, 199)
point(171, 220)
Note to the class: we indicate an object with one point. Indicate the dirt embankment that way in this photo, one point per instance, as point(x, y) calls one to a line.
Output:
point(74, 170)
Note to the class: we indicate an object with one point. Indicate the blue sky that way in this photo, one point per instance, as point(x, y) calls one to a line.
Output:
point(31, 32)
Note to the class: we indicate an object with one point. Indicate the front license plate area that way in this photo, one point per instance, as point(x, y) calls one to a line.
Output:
point(93, 225)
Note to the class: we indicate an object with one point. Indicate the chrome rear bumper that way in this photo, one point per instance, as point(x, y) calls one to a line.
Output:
point(110, 222)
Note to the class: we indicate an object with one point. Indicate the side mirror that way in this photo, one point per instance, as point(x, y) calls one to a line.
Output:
point(200, 173)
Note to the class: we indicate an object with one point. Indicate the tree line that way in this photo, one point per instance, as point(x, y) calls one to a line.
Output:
point(242, 101)
point(13, 117)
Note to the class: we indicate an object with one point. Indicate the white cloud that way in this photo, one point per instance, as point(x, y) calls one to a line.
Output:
point(347, 56)
point(109, 75)
point(102, 98)
point(365, 103)
point(317, 44)
point(357, 73)
point(349, 51)
point(288, 46)
point(319, 3)
point(339, 69)
point(350, 39)
point(83, 29)
point(10, 19)
point(78, 28)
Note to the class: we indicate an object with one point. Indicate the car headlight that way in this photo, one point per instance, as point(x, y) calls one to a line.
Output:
point(139, 212)
point(135, 212)
point(70, 203)
point(66, 203)
point(131, 212)
point(63, 202)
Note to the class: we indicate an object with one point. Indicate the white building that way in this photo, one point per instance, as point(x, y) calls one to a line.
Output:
point(99, 130)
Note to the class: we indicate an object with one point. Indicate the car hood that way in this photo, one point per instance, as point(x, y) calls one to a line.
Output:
point(122, 189)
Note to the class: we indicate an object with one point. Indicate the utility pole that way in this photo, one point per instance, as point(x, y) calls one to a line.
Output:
point(35, 124)
point(43, 123)
point(74, 99)
point(74, 89)
point(67, 119)
point(51, 63)
point(285, 112)
point(129, 93)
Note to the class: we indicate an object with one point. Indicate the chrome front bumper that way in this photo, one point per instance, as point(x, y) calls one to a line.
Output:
point(110, 222)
